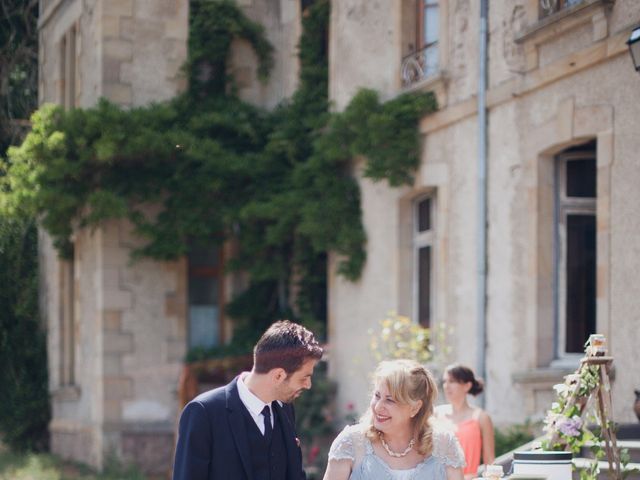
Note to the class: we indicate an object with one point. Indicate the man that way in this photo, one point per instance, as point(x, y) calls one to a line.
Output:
point(245, 430)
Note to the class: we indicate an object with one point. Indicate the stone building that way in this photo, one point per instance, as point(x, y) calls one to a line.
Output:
point(118, 332)
point(562, 241)
point(562, 234)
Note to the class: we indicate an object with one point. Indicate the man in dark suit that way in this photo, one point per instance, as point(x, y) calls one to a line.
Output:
point(246, 429)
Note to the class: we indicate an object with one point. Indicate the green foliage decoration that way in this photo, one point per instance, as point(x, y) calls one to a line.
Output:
point(24, 396)
point(208, 165)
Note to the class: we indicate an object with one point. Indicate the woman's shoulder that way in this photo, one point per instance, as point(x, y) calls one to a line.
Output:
point(483, 417)
point(444, 409)
point(442, 434)
point(357, 430)
point(446, 447)
point(347, 442)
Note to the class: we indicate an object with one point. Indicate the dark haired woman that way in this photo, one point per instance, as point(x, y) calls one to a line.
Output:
point(472, 425)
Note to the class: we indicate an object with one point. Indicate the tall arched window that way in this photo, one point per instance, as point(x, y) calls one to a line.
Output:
point(575, 235)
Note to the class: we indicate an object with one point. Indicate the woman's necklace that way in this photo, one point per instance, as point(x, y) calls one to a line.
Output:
point(395, 454)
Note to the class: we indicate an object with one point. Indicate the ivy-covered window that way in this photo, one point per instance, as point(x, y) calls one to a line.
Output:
point(423, 252)
point(205, 295)
point(576, 249)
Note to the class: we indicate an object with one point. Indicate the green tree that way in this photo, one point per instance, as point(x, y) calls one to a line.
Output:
point(24, 397)
point(24, 400)
point(18, 67)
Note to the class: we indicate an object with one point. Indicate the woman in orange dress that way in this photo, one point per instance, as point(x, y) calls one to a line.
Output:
point(472, 425)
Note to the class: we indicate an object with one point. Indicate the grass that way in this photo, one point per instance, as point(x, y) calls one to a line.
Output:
point(40, 466)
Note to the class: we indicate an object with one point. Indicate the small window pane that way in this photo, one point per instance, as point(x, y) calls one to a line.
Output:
point(431, 24)
point(581, 178)
point(204, 255)
point(203, 290)
point(424, 286)
point(581, 280)
point(424, 215)
point(203, 326)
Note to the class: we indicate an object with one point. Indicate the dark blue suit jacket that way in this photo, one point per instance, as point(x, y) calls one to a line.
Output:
point(213, 442)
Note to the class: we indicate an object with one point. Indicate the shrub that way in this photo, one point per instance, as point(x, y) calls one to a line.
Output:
point(24, 395)
point(514, 436)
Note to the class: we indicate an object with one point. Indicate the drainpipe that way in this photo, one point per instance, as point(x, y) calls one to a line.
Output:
point(481, 250)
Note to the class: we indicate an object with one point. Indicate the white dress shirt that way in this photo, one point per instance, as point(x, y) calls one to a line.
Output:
point(253, 403)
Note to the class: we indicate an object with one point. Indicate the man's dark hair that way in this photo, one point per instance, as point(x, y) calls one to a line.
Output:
point(285, 345)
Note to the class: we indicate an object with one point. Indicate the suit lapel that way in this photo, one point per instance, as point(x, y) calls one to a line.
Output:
point(237, 425)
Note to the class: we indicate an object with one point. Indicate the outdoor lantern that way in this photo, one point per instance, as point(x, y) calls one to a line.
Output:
point(634, 48)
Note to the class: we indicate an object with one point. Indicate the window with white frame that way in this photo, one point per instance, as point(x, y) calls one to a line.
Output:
point(423, 255)
point(422, 33)
point(575, 235)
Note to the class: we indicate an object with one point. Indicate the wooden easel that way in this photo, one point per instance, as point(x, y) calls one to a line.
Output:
point(601, 394)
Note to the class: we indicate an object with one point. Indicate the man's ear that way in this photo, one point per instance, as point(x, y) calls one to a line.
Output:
point(278, 375)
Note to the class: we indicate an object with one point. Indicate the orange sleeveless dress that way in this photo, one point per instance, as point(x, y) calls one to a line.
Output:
point(470, 438)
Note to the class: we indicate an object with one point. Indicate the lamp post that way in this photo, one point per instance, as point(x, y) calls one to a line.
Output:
point(634, 48)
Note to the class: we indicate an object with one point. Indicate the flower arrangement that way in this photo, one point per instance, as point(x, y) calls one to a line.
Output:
point(568, 424)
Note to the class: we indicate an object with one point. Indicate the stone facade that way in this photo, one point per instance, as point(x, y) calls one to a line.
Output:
point(117, 331)
point(554, 82)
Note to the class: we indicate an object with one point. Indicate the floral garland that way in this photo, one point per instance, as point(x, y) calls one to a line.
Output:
point(564, 424)
point(567, 423)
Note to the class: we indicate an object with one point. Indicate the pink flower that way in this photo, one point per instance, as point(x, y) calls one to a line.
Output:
point(313, 453)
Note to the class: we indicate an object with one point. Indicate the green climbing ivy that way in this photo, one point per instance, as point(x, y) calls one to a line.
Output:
point(279, 182)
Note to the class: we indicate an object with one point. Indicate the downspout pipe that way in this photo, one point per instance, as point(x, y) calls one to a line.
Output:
point(481, 247)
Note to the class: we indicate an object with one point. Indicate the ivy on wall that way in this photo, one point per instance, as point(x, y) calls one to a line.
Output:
point(279, 183)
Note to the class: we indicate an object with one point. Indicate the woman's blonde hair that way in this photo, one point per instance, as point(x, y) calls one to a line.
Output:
point(408, 382)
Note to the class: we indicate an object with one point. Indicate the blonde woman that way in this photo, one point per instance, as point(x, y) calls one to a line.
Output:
point(395, 439)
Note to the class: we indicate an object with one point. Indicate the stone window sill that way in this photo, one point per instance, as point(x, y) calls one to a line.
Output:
point(549, 375)
point(436, 83)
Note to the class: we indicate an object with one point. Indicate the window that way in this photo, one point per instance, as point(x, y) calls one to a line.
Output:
point(428, 32)
point(67, 321)
point(205, 292)
point(422, 60)
point(68, 69)
point(423, 248)
point(549, 7)
point(576, 249)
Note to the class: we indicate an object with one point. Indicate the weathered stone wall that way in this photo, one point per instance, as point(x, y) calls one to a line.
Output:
point(144, 45)
point(129, 318)
point(281, 20)
point(552, 85)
